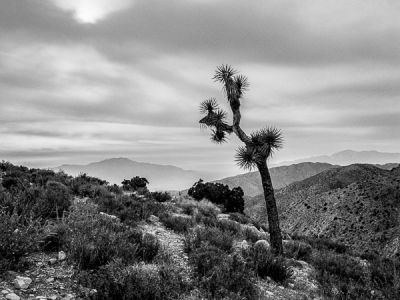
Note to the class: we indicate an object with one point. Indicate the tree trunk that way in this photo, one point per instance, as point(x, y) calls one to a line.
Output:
point(272, 211)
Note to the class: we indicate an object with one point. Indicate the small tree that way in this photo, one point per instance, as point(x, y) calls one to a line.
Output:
point(136, 183)
point(258, 146)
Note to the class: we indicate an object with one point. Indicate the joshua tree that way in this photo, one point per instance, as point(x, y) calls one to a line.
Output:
point(258, 146)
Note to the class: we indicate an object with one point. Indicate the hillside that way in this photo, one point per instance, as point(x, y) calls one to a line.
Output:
point(348, 157)
point(115, 170)
point(281, 176)
point(357, 205)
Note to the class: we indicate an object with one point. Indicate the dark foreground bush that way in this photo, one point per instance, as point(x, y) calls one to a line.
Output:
point(161, 196)
point(96, 239)
point(17, 238)
point(297, 249)
point(222, 276)
point(116, 281)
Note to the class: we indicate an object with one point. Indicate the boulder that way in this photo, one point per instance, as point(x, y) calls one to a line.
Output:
point(61, 255)
point(12, 296)
point(21, 282)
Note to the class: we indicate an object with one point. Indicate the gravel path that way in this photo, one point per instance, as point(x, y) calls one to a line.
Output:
point(173, 245)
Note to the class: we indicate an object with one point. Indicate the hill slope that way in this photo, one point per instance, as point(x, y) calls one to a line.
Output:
point(115, 170)
point(281, 176)
point(357, 205)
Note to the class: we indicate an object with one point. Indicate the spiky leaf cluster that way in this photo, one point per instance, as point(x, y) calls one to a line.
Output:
point(224, 74)
point(218, 136)
point(208, 106)
point(246, 158)
point(270, 136)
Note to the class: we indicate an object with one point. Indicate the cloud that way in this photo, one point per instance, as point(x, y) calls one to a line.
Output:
point(113, 78)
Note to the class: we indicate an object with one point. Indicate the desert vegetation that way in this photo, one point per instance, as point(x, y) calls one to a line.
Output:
point(129, 245)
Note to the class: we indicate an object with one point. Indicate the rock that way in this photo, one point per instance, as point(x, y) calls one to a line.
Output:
point(52, 261)
point(269, 293)
point(68, 297)
point(22, 282)
point(154, 219)
point(54, 297)
point(109, 216)
point(12, 296)
point(50, 279)
point(5, 292)
point(62, 256)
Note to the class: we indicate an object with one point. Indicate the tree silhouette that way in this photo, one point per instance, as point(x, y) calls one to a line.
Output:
point(258, 146)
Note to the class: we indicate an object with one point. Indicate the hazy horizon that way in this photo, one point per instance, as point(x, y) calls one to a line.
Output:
point(87, 80)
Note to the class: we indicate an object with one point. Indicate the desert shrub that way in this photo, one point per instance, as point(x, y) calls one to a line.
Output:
point(208, 235)
point(343, 265)
point(266, 263)
point(176, 222)
point(55, 236)
point(160, 196)
point(297, 249)
point(18, 237)
point(241, 218)
point(385, 275)
point(95, 239)
point(139, 281)
point(222, 276)
point(230, 226)
point(203, 207)
point(275, 267)
point(54, 202)
point(251, 234)
point(322, 243)
point(130, 209)
point(220, 194)
point(149, 245)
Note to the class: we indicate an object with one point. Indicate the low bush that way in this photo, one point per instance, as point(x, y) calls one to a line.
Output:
point(203, 207)
point(130, 209)
point(251, 234)
point(222, 276)
point(176, 222)
point(97, 239)
point(18, 237)
point(230, 226)
point(241, 218)
point(275, 267)
point(116, 281)
point(297, 249)
point(208, 235)
point(161, 196)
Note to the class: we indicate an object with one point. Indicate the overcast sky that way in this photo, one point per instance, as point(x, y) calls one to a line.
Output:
point(84, 80)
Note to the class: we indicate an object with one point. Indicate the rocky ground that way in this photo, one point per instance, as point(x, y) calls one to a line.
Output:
point(49, 276)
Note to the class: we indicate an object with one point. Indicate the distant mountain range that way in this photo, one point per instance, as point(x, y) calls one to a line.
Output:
point(281, 176)
point(115, 170)
point(348, 157)
point(358, 205)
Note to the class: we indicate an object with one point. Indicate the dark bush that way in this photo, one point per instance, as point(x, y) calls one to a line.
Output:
point(297, 249)
point(220, 194)
point(18, 237)
point(161, 196)
point(221, 276)
point(275, 267)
